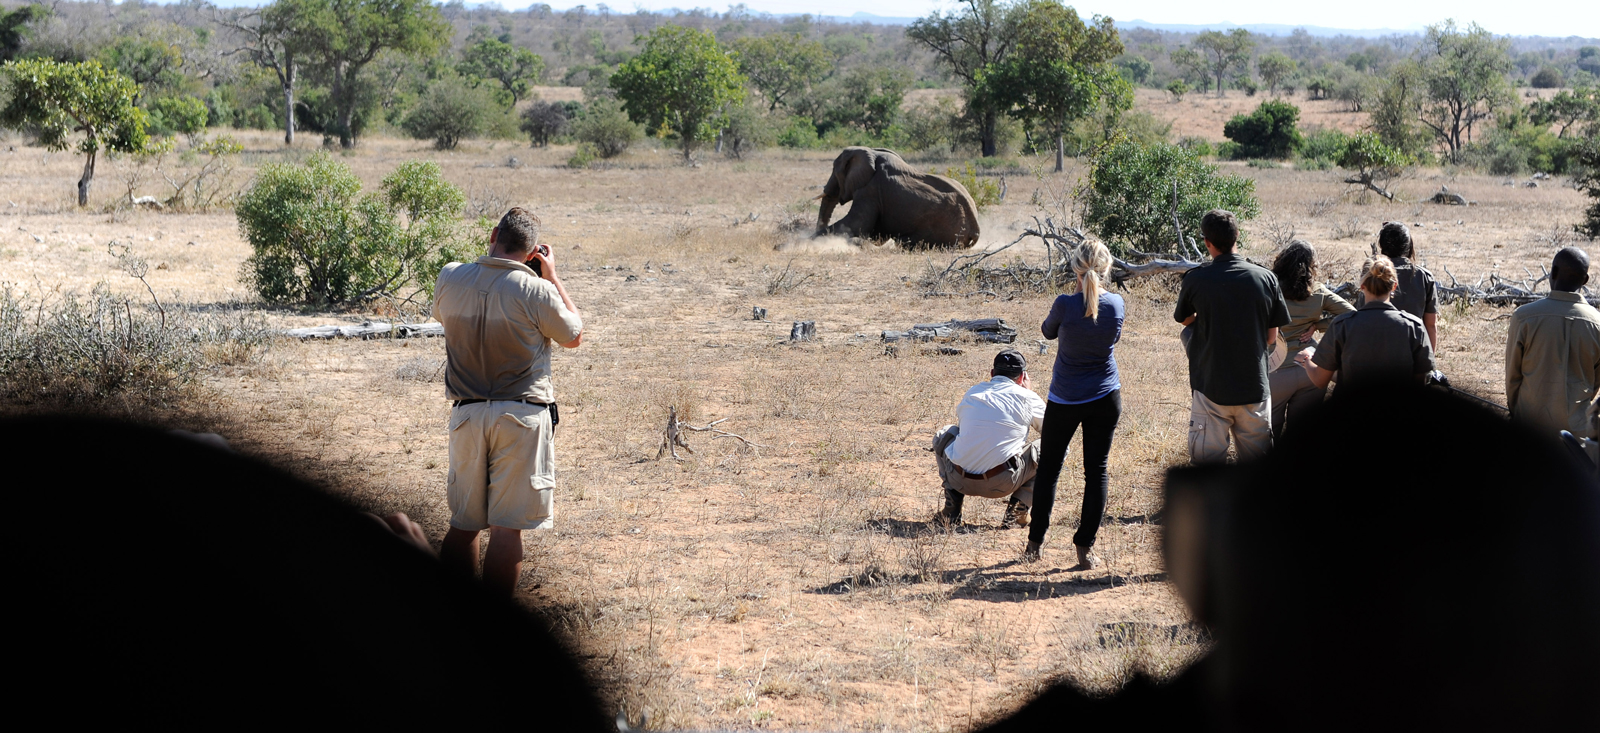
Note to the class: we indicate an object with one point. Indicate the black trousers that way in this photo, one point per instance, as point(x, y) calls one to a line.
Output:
point(1099, 420)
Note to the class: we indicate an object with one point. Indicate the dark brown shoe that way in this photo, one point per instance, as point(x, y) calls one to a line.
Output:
point(1017, 515)
point(1087, 560)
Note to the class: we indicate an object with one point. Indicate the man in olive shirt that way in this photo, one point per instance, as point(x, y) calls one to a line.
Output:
point(1553, 353)
point(500, 318)
point(1235, 309)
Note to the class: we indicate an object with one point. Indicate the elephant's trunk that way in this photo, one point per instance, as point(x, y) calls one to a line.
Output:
point(830, 199)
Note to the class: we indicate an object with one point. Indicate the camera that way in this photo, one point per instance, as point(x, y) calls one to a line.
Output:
point(534, 264)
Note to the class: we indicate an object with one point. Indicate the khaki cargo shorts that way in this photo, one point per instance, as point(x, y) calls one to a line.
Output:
point(502, 466)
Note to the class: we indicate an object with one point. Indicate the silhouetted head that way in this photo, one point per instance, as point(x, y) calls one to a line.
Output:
point(1569, 271)
point(1394, 240)
point(1296, 268)
point(1221, 229)
point(1451, 584)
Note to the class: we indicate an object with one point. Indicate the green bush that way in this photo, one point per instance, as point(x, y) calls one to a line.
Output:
point(544, 121)
point(1177, 89)
point(450, 111)
point(1548, 77)
point(1325, 144)
point(1229, 150)
point(583, 156)
point(178, 115)
point(985, 192)
point(746, 130)
point(1586, 159)
point(314, 241)
point(800, 133)
point(1268, 132)
point(1127, 198)
point(929, 127)
point(1260, 163)
point(606, 128)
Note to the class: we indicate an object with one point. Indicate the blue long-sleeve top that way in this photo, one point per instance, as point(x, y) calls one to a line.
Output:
point(1086, 365)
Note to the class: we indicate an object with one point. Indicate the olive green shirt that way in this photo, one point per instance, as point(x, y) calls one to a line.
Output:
point(1307, 317)
point(1375, 344)
point(1553, 364)
point(500, 320)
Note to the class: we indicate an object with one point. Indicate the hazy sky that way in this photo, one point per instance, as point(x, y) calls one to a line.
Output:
point(1541, 17)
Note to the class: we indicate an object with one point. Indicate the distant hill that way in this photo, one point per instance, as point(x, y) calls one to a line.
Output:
point(1270, 29)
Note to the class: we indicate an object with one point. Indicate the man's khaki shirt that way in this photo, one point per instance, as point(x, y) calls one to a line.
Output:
point(499, 322)
point(1553, 363)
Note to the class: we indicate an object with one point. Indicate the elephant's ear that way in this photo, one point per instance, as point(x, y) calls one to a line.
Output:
point(854, 172)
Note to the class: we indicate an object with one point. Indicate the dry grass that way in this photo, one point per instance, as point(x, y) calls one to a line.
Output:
point(792, 587)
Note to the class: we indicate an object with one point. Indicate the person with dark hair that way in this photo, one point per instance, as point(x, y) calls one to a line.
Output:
point(1415, 291)
point(1553, 354)
point(987, 452)
point(1377, 344)
point(1084, 391)
point(501, 314)
point(1468, 601)
point(1232, 310)
point(1312, 306)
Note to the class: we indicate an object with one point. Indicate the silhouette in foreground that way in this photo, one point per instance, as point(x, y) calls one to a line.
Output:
point(1433, 567)
point(156, 580)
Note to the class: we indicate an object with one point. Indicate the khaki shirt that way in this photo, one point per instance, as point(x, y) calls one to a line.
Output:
point(499, 322)
point(1307, 317)
point(1553, 363)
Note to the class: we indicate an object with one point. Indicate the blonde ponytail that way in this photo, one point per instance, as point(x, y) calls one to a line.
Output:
point(1379, 276)
point(1091, 262)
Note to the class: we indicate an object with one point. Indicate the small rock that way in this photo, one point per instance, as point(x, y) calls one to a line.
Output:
point(758, 313)
point(631, 278)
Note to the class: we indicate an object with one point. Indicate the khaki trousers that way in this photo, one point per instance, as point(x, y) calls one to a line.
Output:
point(1211, 423)
point(502, 466)
point(1017, 480)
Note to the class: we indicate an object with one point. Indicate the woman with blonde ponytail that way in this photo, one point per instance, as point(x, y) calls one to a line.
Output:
point(1084, 390)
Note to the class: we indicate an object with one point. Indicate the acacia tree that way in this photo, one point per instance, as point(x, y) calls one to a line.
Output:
point(63, 99)
point(782, 65)
point(1372, 163)
point(1194, 66)
point(514, 68)
point(338, 38)
point(682, 81)
point(1463, 75)
point(1570, 107)
point(1060, 70)
point(967, 42)
point(1274, 68)
point(1224, 51)
point(264, 35)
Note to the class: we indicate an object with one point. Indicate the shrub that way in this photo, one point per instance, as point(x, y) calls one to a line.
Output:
point(985, 192)
point(583, 156)
point(1259, 163)
point(1229, 150)
point(1373, 162)
point(929, 127)
point(543, 121)
point(800, 133)
point(1587, 159)
point(1548, 77)
point(315, 242)
point(606, 128)
point(1199, 146)
point(178, 115)
point(1128, 196)
point(1177, 89)
point(89, 348)
point(747, 129)
point(1324, 144)
point(450, 111)
point(1268, 132)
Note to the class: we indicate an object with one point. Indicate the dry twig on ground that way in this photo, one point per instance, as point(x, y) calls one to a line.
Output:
point(672, 437)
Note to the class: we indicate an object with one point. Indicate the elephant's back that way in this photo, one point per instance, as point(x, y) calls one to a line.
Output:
point(958, 223)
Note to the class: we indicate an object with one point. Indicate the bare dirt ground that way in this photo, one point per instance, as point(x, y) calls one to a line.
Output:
point(795, 586)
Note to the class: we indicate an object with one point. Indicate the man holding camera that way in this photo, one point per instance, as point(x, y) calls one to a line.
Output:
point(988, 453)
point(501, 314)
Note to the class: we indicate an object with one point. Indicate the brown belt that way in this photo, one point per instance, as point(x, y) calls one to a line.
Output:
point(991, 473)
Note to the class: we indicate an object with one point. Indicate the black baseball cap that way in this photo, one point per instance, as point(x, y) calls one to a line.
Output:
point(1009, 363)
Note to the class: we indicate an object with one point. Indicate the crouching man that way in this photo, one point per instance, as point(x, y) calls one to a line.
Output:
point(988, 453)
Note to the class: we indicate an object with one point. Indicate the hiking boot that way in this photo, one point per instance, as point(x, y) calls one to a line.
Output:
point(1031, 552)
point(1087, 560)
point(1016, 516)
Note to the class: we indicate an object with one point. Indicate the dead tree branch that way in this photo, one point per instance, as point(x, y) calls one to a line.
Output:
point(672, 438)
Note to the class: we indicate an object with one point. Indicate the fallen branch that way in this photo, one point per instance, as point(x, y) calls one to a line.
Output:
point(672, 437)
point(369, 330)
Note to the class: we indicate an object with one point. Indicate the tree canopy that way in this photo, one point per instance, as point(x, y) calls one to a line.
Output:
point(681, 82)
point(1225, 51)
point(1463, 79)
point(782, 66)
point(61, 100)
point(514, 69)
point(967, 43)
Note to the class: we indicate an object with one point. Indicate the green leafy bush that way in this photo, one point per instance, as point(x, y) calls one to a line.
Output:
point(1586, 158)
point(1548, 77)
point(583, 156)
point(606, 128)
point(451, 110)
point(747, 129)
point(800, 133)
point(1229, 150)
point(1128, 196)
point(1177, 89)
point(985, 191)
point(1321, 148)
point(1260, 163)
point(544, 121)
point(314, 241)
point(178, 115)
point(1268, 132)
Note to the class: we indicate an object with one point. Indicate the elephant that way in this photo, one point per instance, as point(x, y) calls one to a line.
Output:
point(891, 199)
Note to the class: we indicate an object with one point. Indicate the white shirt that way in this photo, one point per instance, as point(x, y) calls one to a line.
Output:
point(994, 417)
